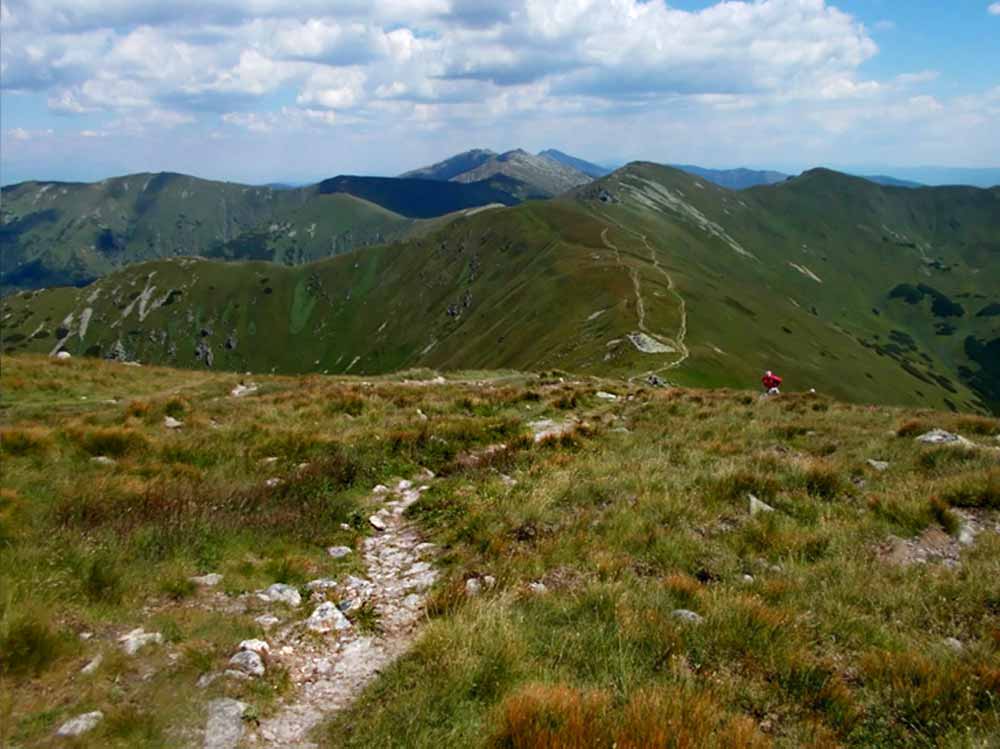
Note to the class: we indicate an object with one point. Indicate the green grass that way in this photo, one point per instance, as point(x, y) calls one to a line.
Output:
point(558, 284)
point(829, 644)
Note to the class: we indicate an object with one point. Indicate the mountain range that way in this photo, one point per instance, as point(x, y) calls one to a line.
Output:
point(868, 292)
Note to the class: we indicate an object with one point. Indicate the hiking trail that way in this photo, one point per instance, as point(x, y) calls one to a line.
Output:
point(677, 342)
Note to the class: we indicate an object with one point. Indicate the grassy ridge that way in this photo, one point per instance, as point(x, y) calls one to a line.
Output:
point(867, 293)
point(56, 233)
point(811, 633)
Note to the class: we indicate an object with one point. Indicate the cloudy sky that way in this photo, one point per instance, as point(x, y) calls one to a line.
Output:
point(263, 90)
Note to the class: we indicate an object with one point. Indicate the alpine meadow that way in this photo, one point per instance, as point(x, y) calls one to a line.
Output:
point(540, 374)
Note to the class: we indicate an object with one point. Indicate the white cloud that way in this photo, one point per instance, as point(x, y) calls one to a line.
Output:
point(508, 71)
point(994, 9)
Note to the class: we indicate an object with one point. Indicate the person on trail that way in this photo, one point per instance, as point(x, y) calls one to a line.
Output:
point(771, 381)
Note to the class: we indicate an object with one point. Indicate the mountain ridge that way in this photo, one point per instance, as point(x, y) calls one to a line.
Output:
point(871, 293)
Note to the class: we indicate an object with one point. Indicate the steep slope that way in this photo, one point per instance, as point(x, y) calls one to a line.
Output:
point(453, 166)
point(62, 233)
point(869, 293)
point(70, 232)
point(589, 168)
point(546, 176)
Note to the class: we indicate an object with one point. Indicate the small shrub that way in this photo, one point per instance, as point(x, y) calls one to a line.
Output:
point(737, 485)
point(981, 425)
point(113, 442)
point(138, 409)
point(367, 620)
point(26, 441)
point(975, 490)
point(912, 428)
point(286, 570)
point(101, 580)
point(175, 407)
point(133, 725)
point(673, 717)
point(943, 516)
point(824, 481)
point(177, 588)
point(27, 644)
point(553, 717)
point(942, 458)
point(340, 402)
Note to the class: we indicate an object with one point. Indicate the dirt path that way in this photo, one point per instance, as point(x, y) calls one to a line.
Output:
point(679, 339)
point(329, 670)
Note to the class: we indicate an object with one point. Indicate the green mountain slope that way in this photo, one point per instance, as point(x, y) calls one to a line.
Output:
point(587, 167)
point(62, 233)
point(868, 293)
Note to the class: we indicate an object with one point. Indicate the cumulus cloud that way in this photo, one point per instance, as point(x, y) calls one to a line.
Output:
point(994, 9)
point(508, 67)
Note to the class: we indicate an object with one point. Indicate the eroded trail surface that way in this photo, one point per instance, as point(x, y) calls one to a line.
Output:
point(645, 340)
point(329, 669)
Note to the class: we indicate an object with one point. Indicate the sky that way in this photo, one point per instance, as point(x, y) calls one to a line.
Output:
point(278, 90)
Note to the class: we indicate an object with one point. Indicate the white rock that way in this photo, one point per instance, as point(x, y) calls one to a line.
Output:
point(537, 588)
point(606, 396)
point(94, 664)
point(138, 639)
point(747, 579)
point(954, 644)
point(426, 474)
point(268, 461)
point(232, 673)
point(421, 415)
point(240, 390)
point(338, 552)
point(756, 506)
point(257, 646)
point(273, 482)
point(281, 593)
point(85, 635)
point(687, 616)
point(489, 581)
point(380, 489)
point(64, 355)
point(473, 587)
point(224, 728)
point(878, 465)
point(103, 460)
point(266, 621)
point(327, 617)
point(248, 662)
point(377, 523)
point(403, 485)
point(966, 534)
point(941, 437)
point(205, 680)
point(80, 724)
point(208, 581)
point(171, 423)
point(323, 583)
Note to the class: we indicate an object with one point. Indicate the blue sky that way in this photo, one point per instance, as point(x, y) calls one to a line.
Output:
point(263, 90)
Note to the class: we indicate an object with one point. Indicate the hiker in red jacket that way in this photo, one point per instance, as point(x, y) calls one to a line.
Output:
point(771, 381)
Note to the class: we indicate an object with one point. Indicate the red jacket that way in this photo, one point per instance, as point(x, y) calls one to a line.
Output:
point(770, 381)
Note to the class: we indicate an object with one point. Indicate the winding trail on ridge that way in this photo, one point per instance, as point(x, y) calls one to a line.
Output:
point(679, 338)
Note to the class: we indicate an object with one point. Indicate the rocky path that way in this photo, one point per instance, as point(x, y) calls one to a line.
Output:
point(329, 658)
point(677, 342)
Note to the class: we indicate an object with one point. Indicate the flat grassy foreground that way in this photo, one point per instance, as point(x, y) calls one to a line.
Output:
point(812, 632)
